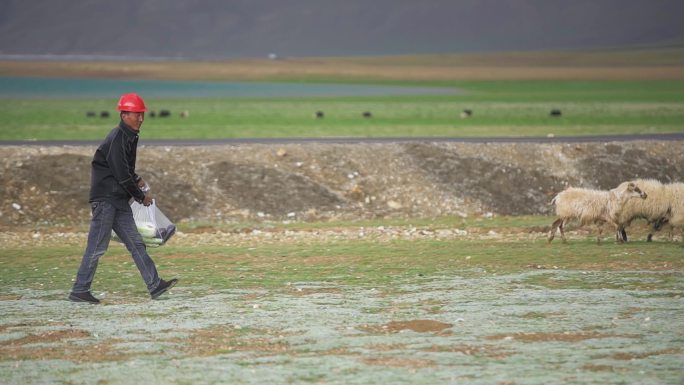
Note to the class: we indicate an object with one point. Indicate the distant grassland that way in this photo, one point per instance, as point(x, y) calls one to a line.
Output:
point(510, 94)
point(652, 64)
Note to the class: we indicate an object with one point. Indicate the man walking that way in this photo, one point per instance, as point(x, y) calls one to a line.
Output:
point(113, 182)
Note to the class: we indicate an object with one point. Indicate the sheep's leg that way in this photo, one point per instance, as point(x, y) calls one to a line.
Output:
point(561, 227)
point(621, 234)
point(653, 228)
point(599, 227)
point(659, 223)
point(657, 226)
point(554, 226)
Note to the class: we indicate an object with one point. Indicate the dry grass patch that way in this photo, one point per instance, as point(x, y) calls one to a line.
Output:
point(226, 339)
point(50, 336)
point(546, 337)
point(537, 66)
point(102, 352)
point(636, 356)
point(386, 347)
point(420, 326)
point(62, 347)
point(400, 362)
point(471, 350)
point(603, 368)
point(303, 291)
point(540, 315)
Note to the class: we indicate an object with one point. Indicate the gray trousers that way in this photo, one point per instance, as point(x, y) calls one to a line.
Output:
point(108, 217)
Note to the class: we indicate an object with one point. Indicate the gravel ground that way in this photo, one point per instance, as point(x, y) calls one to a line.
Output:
point(478, 328)
point(46, 237)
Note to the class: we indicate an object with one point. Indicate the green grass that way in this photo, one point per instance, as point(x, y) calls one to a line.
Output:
point(367, 263)
point(501, 108)
point(427, 223)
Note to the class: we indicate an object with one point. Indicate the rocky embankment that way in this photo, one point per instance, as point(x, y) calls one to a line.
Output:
point(313, 181)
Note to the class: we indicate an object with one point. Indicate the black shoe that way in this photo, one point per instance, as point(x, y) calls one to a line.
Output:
point(163, 287)
point(83, 297)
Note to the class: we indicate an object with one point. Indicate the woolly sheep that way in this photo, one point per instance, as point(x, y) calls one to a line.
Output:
point(591, 207)
point(653, 210)
point(664, 206)
point(675, 217)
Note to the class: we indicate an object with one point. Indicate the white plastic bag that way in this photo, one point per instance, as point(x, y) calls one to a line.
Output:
point(152, 224)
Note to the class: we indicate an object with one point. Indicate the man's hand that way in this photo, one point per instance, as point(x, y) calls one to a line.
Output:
point(148, 199)
point(142, 184)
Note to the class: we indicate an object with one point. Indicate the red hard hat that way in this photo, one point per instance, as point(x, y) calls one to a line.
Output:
point(131, 103)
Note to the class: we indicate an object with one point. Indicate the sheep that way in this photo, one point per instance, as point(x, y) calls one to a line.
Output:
point(675, 215)
point(591, 206)
point(664, 207)
point(654, 209)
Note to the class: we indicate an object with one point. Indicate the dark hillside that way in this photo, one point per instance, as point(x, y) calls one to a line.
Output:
point(255, 28)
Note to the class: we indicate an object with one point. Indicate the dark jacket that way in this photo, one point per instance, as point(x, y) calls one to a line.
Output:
point(113, 176)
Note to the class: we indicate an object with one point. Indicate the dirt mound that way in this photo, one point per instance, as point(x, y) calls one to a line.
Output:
point(494, 185)
point(265, 189)
point(625, 162)
point(313, 181)
point(45, 188)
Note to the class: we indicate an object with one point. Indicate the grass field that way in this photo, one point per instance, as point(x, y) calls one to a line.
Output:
point(645, 64)
point(319, 303)
point(510, 108)
point(511, 94)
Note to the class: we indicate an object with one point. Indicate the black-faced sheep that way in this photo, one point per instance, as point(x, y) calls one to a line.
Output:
point(591, 207)
point(663, 208)
point(653, 210)
point(675, 216)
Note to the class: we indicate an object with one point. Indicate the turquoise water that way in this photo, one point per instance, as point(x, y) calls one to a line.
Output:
point(20, 87)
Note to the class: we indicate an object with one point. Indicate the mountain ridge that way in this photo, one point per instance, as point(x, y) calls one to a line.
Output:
point(296, 28)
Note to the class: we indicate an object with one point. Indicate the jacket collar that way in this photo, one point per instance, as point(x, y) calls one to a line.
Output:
point(130, 132)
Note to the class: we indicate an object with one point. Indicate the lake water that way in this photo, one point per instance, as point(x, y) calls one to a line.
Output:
point(20, 87)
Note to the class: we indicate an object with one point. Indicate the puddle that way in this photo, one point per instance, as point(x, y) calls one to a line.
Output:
point(475, 328)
